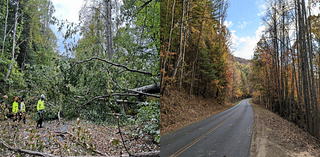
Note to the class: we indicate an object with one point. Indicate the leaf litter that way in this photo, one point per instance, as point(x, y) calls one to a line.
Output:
point(75, 137)
point(275, 136)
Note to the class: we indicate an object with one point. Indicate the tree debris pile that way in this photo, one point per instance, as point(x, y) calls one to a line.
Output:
point(75, 138)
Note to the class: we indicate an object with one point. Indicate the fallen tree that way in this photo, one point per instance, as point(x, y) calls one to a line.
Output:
point(19, 150)
point(154, 88)
point(24, 151)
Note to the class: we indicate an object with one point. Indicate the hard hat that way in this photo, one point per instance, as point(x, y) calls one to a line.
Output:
point(42, 96)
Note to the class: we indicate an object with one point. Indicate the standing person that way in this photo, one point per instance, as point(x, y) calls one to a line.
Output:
point(23, 110)
point(3, 107)
point(15, 108)
point(40, 108)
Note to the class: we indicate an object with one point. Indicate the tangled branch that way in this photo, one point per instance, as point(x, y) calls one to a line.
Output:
point(18, 150)
point(114, 64)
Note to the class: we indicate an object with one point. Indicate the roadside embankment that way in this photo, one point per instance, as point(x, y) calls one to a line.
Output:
point(275, 136)
point(179, 110)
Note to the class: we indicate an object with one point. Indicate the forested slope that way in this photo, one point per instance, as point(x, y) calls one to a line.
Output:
point(239, 85)
point(285, 67)
point(109, 77)
point(199, 76)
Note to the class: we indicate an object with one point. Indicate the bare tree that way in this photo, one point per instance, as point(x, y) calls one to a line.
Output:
point(223, 6)
point(5, 29)
point(14, 39)
point(109, 28)
point(181, 34)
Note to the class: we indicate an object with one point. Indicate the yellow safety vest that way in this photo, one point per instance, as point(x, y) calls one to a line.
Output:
point(15, 107)
point(23, 107)
point(40, 105)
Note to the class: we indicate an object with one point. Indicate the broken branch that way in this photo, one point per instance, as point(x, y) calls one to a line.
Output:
point(114, 64)
point(24, 151)
point(147, 94)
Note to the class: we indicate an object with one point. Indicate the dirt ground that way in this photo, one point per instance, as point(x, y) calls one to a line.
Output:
point(179, 110)
point(73, 137)
point(275, 136)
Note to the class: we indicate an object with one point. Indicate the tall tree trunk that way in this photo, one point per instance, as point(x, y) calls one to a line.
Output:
point(222, 13)
point(14, 39)
point(184, 47)
point(109, 29)
point(313, 92)
point(198, 47)
point(5, 29)
point(304, 63)
point(302, 121)
point(165, 56)
point(181, 34)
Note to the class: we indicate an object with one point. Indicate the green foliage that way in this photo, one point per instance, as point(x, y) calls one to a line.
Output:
point(90, 89)
point(150, 112)
point(115, 141)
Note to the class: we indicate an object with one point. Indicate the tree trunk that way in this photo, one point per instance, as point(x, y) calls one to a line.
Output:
point(14, 39)
point(181, 34)
point(198, 47)
point(165, 56)
point(5, 29)
point(184, 47)
point(313, 92)
point(304, 64)
point(154, 88)
point(109, 29)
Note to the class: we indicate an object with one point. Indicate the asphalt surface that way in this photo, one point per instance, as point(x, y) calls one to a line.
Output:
point(227, 133)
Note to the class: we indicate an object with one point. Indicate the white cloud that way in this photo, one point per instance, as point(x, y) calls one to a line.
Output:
point(315, 9)
point(249, 43)
point(263, 10)
point(241, 40)
point(242, 25)
point(228, 24)
point(234, 39)
point(67, 10)
point(259, 32)
point(262, 6)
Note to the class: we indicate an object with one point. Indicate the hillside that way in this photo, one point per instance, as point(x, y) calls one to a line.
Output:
point(242, 60)
point(177, 106)
point(239, 70)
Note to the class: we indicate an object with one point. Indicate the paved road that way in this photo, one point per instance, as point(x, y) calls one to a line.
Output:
point(227, 133)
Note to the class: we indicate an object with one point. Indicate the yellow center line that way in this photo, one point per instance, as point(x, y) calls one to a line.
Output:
point(201, 137)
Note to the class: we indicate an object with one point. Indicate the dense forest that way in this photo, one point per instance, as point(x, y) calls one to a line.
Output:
point(239, 85)
point(196, 59)
point(194, 49)
point(285, 67)
point(101, 93)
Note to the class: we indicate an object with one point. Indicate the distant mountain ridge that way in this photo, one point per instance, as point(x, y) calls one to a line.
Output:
point(242, 60)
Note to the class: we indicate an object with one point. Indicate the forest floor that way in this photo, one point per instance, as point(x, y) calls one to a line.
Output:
point(275, 136)
point(179, 110)
point(75, 137)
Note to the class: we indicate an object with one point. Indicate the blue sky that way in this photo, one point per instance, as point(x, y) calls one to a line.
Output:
point(244, 22)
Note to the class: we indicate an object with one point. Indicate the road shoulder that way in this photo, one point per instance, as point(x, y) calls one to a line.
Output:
point(275, 136)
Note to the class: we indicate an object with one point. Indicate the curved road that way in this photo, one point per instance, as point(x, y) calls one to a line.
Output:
point(227, 133)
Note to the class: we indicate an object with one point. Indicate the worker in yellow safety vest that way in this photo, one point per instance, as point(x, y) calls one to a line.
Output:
point(23, 110)
point(15, 108)
point(40, 108)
